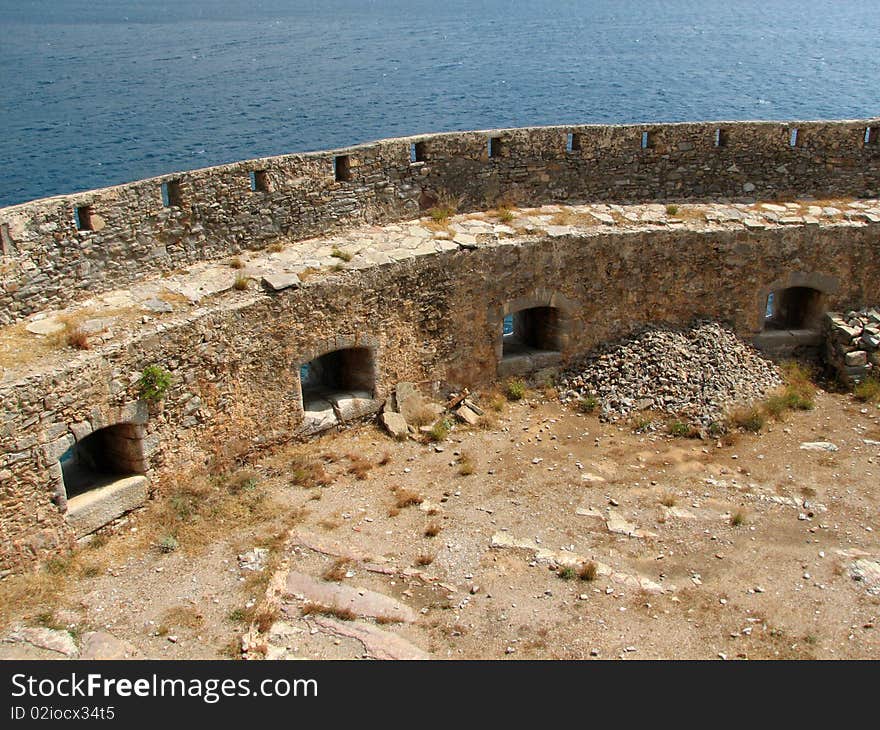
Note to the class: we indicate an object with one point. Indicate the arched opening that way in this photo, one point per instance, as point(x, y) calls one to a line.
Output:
point(103, 475)
point(530, 331)
point(531, 338)
point(794, 308)
point(338, 386)
point(103, 457)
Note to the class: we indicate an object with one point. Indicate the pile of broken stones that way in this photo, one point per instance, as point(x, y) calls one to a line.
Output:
point(697, 374)
point(853, 343)
point(409, 413)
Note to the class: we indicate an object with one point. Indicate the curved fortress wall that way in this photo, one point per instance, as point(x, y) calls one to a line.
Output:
point(63, 248)
point(436, 318)
point(236, 359)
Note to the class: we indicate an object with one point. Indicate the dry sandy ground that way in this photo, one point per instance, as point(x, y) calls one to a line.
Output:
point(778, 585)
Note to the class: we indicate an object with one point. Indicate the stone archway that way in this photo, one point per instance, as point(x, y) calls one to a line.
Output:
point(532, 332)
point(790, 312)
point(337, 382)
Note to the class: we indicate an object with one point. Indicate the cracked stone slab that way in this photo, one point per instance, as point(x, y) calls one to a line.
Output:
point(361, 601)
point(377, 643)
point(573, 560)
point(280, 282)
point(334, 548)
point(100, 645)
point(616, 523)
point(51, 639)
point(867, 572)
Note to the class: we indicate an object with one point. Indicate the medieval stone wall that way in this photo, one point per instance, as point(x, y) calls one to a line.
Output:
point(438, 318)
point(145, 228)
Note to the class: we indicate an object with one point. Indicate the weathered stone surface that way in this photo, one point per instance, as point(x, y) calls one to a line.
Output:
point(573, 560)
point(856, 358)
point(468, 416)
point(378, 643)
point(360, 601)
point(395, 424)
point(280, 281)
point(819, 446)
point(100, 645)
point(53, 640)
point(45, 327)
point(93, 509)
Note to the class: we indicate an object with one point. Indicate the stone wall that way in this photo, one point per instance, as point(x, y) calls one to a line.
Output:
point(436, 318)
point(852, 344)
point(140, 230)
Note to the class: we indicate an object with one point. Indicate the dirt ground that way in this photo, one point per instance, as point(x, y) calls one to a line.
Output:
point(745, 548)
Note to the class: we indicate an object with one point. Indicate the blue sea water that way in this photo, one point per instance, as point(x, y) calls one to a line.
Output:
point(99, 92)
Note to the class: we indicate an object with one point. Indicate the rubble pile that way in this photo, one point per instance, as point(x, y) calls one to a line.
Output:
point(697, 374)
point(853, 343)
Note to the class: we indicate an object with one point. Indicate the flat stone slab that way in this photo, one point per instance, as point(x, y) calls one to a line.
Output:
point(867, 572)
point(819, 446)
point(361, 601)
point(45, 326)
point(378, 643)
point(573, 560)
point(395, 424)
point(95, 508)
point(616, 523)
point(99, 645)
point(280, 282)
point(53, 640)
point(329, 546)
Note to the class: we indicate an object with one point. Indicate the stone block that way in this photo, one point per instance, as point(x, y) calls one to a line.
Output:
point(95, 508)
point(856, 359)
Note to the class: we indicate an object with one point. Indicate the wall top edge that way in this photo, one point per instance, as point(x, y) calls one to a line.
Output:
point(84, 195)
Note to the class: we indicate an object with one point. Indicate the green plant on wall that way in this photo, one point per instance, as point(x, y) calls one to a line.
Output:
point(154, 383)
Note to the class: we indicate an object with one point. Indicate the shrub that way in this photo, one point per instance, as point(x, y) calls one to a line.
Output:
point(337, 253)
point(440, 430)
point(515, 389)
point(337, 571)
point(587, 404)
point(505, 214)
point(241, 281)
point(588, 571)
point(154, 383)
point(236, 263)
point(77, 338)
point(671, 209)
point(406, 498)
point(424, 559)
point(168, 544)
point(868, 390)
point(566, 573)
point(433, 529)
point(737, 518)
point(748, 419)
point(681, 429)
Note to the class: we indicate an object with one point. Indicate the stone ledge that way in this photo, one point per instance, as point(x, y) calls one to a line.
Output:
point(87, 512)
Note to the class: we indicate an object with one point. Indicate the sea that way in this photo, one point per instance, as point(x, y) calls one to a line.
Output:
point(101, 92)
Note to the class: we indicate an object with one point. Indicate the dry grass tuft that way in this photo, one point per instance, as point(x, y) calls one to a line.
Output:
point(343, 614)
point(406, 498)
point(76, 338)
point(668, 500)
point(307, 472)
point(466, 465)
point(738, 518)
point(424, 559)
point(433, 529)
point(359, 467)
point(588, 571)
point(337, 571)
point(182, 617)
